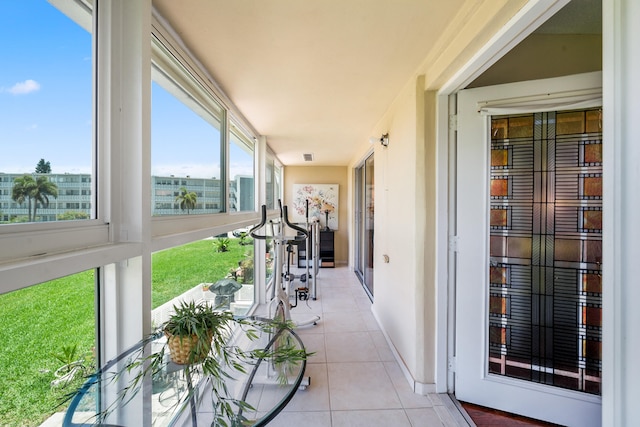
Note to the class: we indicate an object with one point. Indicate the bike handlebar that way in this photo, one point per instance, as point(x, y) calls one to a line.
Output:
point(295, 227)
point(263, 221)
point(283, 215)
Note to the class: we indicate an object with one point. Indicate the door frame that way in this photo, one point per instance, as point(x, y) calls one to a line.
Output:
point(523, 23)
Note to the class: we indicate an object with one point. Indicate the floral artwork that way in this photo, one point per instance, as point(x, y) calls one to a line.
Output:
point(323, 202)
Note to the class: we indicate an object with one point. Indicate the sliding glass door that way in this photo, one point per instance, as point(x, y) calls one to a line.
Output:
point(364, 189)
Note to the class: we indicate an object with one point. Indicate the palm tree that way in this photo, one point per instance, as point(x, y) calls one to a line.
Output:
point(187, 199)
point(43, 189)
point(38, 189)
point(22, 190)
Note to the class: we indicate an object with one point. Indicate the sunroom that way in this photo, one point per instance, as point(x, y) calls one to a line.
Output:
point(167, 125)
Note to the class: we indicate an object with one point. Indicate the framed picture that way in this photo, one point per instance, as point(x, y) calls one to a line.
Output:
point(322, 204)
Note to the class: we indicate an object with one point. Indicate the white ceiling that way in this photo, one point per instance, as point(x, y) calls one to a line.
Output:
point(317, 76)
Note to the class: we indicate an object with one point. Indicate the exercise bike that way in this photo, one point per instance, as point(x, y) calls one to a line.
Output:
point(279, 305)
point(311, 254)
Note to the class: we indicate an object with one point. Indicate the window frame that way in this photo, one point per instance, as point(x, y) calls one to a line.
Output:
point(37, 252)
point(174, 230)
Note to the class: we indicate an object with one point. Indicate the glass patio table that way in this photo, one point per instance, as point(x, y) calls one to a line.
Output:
point(180, 395)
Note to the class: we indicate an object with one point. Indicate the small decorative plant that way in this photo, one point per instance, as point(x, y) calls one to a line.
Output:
point(74, 365)
point(244, 240)
point(222, 244)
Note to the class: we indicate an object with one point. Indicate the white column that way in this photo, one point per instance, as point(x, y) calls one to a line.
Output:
point(123, 115)
point(123, 99)
point(621, 292)
point(260, 267)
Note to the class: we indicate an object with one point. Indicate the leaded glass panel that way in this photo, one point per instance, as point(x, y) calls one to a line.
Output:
point(545, 296)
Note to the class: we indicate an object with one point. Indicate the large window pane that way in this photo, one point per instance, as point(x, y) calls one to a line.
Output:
point(241, 171)
point(47, 337)
point(218, 269)
point(369, 226)
point(270, 182)
point(277, 177)
point(46, 103)
point(273, 181)
point(185, 159)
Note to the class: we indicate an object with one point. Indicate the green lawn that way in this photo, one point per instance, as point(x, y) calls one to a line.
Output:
point(37, 321)
point(179, 269)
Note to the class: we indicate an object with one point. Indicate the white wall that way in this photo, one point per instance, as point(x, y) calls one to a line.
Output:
point(403, 295)
point(324, 175)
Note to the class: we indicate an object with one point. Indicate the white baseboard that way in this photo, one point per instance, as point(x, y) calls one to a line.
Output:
point(417, 386)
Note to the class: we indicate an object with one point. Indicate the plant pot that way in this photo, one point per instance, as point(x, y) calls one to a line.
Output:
point(67, 373)
point(187, 350)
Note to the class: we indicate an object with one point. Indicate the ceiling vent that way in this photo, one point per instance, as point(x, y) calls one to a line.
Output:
point(308, 157)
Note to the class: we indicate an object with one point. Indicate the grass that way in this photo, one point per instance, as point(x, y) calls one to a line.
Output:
point(36, 322)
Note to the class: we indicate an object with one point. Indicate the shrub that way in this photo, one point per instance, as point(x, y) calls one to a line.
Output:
point(221, 244)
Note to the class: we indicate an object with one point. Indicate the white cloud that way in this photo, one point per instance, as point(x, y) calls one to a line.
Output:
point(24, 87)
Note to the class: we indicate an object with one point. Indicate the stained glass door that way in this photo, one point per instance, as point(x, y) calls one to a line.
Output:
point(528, 255)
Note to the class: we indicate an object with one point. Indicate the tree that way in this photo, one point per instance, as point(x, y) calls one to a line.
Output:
point(21, 191)
point(186, 199)
point(44, 188)
point(43, 167)
point(26, 188)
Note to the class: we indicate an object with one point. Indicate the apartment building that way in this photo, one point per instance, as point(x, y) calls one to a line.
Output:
point(74, 196)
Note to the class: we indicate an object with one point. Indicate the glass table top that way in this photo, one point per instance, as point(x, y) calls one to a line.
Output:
point(255, 391)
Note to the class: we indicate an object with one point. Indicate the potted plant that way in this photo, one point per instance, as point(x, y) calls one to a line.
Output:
point(74, 365)
point(198, 342)
point(191, 329)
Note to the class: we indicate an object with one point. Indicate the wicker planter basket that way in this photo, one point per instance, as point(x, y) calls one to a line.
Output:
point(180, 348)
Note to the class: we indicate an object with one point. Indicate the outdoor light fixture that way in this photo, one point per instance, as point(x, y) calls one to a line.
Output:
point(384, 139)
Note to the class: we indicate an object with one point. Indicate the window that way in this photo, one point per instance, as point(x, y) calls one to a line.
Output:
point(270, 181)
point(277, 179)
point(273, 181)
point(241, 171)
point(186, 128)
point(43, 328)
point(46, 95)
point(46, 87)
point(193, 272)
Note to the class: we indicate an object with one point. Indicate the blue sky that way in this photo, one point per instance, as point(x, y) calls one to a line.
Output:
point(45, 89)
point(46, 105)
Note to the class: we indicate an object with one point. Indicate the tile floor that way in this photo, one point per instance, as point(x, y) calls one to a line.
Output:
point(355, 379)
